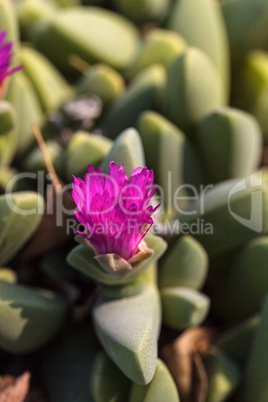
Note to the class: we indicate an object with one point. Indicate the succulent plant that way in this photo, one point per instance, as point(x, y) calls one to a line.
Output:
point(133, 200)
point(70, 30)
point(193, 89)
point(225, 129)
point(142, 11)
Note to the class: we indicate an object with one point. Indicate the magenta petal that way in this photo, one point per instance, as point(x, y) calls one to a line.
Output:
point(6, 58)
point(114, 209)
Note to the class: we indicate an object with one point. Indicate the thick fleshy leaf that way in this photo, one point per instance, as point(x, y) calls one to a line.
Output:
point(246, 23)
point(161, 388)
point(183, 307)
point(144, 93)
point(160, 46)
point(230, 143)
point(34, 160)
point(85, 31)
point(141, 11)
point(184, 265)
point(6, 174)
point(71, 3)
point(20, 214)
point(7, 118)
point(201, 24)
point(128, 329)
point(128, 290)
point(254, 386)
point(8, 21)
point(66, 366)
point(8, 133)
point(82, 258)
point(108, 383)
point(238, 340)
point(223, 376)
point(231, 213)
point(49, 84)
point(103, 81)
point(251, 88)
point(241, 293)
point(30, 12)
point(22, 96)
point(8, 275)
point(29, 317)
point(172, 157)
point(193, 89)
point(127, 150)
point(85, 149)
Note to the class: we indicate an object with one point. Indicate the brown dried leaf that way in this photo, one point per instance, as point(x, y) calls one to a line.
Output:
point(200, 379)
point(14, 389)
point(183, 358)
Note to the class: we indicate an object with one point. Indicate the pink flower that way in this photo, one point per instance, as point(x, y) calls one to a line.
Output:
point(115, 211)
point(6, 58)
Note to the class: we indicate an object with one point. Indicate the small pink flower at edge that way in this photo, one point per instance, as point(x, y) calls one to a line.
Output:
point(6, 56)
point(115, 211)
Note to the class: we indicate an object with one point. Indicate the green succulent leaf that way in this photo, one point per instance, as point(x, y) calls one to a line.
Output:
point(82, 258)
point(171, 156)
point(160, 46)
point(20, 214)
point(8, 133)
point(184, 265)
point(193, 89)
point(201, 24)
point(128, 150)
point(29, 318)
point(254, 385)
point(223, 376)
point(34, 161)
point(246, 23)
point(228, 211)
point(128, 330)
point(141, 11)
point(230, 143)
point(23, 97)
point(252, 82)
point(237, 340)
point(183, 307)
point(161, 388)
point(85, 149)
point(8, 275)
point(92, 33)
point(102, 81)
point(8, 21)
point(144, 93)
point(30, 12)
point(71, 3)
point(108, 383)
point(242, 291)
point(51, 87)
point(6, 174)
